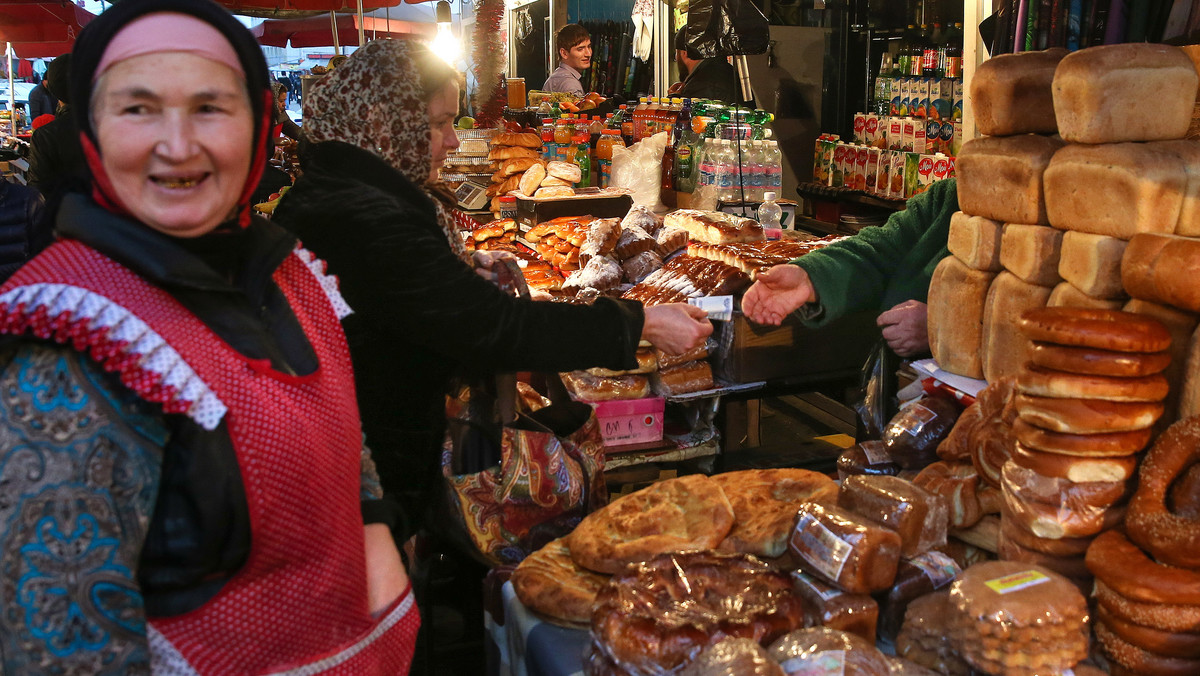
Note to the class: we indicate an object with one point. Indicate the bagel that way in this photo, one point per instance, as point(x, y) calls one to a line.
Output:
point(1157, 641)
point(1054, 547)
point(1086, 445)
point(1169, 537)
point(1055, 522)
point(1139, 661)
point(1071, 567)
point(1090, 361)
point(1073, 467)
point(1164, 616)
point(1095, 328)
point(1028, 485)
point(1185, 494)
point(1087, 416)
point(1112, 558)
point(1044, 382)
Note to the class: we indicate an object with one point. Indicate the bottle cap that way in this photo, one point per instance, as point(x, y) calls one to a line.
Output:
point(768, 196)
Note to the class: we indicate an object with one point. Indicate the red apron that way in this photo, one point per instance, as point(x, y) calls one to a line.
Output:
point(300, 601)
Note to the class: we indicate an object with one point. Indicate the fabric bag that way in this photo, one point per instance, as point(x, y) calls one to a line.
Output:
point(725, 28)
point(520, 471)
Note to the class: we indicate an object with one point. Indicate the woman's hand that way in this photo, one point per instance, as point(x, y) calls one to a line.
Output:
point(778, 292)
point(906, 328)
point(675, 328)
point(386, 577)
point(484, 260)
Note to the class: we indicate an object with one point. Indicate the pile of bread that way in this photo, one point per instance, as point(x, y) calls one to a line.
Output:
point(521, 169)
point(1103, 215)
point(754, 257)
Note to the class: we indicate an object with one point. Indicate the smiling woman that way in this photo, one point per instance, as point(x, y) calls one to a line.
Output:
point(165, 363)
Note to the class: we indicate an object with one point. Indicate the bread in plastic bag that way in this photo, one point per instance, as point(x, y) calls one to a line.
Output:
point(918, 516)
point(733, 657)
point(821, 650)
point(914, 433)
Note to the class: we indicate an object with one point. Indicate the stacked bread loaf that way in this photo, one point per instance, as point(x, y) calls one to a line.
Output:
point(1148, 577)
point(513, 154)
point(1088, 399)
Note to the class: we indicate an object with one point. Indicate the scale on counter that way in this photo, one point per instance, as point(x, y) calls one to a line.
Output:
point(471, 195)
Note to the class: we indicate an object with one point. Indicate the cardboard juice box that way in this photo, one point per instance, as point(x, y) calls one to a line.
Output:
point(941, 167)
point(933, 131)
point(912, 163)
point(872, 133)
point(862, 153)
point(956, 139)
point(956, 101)
point(896, 174)
point(925, 164)
point(860, 127)
point(872, 177)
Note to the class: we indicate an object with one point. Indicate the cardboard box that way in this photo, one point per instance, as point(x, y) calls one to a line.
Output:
point(749, 352)
point(630, 421)
point(531, 211)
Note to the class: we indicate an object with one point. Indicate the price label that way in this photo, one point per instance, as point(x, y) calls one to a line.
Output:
point(1016, 582)
point(825, 663)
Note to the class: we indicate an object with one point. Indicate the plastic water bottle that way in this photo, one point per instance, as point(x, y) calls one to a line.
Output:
point(768, 216)
point(707, 170)
point(756, 172)
point(773, 168)
point(726, 171)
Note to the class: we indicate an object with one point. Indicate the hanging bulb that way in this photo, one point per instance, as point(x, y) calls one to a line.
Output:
point(444, 44)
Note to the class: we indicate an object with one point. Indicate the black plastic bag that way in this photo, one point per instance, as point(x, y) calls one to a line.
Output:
point(877, 399)
point(725, 28)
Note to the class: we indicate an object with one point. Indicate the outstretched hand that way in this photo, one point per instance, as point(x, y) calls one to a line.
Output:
point(778, 292)
point(906, 328)
point(676, 328)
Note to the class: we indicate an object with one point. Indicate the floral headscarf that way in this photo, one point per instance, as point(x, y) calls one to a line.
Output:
point(374, 101)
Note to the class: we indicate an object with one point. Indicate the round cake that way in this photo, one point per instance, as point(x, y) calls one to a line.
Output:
point(764, 505)
point(660, 614)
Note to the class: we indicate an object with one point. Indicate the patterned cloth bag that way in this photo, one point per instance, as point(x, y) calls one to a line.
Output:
point(520, 470)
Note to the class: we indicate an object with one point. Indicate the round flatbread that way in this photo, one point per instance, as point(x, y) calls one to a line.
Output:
point(764, 505)
point(550, 583)
point(675, 515)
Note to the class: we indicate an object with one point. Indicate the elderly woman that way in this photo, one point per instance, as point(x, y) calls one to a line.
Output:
point(184, 479)
point(378, 127)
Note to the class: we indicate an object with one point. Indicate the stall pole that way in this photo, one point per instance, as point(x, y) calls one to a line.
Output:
point(337, 48)
point(663, 36)
point(12, 100)
point(362, 40)
point(974, 53)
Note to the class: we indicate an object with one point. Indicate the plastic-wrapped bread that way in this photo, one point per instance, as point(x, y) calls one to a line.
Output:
point(913, 435)
point(1011, 93)
point(741, 656)
point(845, 549)
point(831, 607)
point(915, 577)
point(919, 517)
point(693, 376)
point(926, 637)
point(1117, 190)
point(1001, 177)
point(868, 457)
point(1031, 252)
point(975, 241)
point(1125, 92)
point(827, 651)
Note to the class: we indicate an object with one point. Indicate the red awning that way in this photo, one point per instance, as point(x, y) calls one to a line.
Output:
point(41, 50)
point(317, 31)
point(58, 21)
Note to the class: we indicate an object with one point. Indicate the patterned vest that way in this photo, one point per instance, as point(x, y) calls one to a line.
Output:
point(299, 604)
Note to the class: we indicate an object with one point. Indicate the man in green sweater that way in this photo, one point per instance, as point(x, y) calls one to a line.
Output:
point(885, 268)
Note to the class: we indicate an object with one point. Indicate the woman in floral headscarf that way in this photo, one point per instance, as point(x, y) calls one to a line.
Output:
point(378, 127)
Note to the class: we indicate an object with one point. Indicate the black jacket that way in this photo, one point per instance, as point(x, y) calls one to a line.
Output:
point(56, 162)
point(41, 102)
point(421, 315)
point(23, 232)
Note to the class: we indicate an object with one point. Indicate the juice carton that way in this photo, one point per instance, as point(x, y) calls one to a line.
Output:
point(894, 104)
point(827, 150)
point(956, 139)
point(896, 174)
point(895, 132)
point(923, 85)
point(883, 173)
point(872, 180)
point(933, 132)
point(905, 95)
point(838, 173)
point(871, 132)
point(908, 134)
point(941, 167)
point(860, 127)
point(912, 163)
point(818, 148)
point(925, 164)
point(956, 101)
point(950, 171)
point(862, 153)
point(941, 99)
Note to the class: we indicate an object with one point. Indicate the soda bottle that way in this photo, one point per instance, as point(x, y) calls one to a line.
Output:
point(916, 50)
point(639, 118)
point(905, 51)
point(952, 57)
point(583, 159)
point(627, 125)
point(686, 151)
point(931, 51)
point(548, 145)
point(769, 214)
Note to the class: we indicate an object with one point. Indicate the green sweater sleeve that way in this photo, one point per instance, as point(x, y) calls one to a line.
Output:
point(882, 266)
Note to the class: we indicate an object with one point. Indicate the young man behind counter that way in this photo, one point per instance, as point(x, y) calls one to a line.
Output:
point(575, 56)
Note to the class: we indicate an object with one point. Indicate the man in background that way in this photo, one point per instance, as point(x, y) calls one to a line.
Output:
point(711, 78)
point(574, 46)
point(56, 158)
point(41, 101)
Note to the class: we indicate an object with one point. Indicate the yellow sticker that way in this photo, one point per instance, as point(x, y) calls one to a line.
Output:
point(1016, 581)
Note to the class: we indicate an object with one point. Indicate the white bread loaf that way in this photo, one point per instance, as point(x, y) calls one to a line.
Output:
point(1005, 348)
point(1067, 295)
point(975, 241)
point(1126, 92)
point(1163, 269)
point(1011, 93)
point(1117, 190)
point(1092, 264)
point(1001, 177)
point(1181, 325)
point(956, 299)
point(1189, 213)
point(1031, 253)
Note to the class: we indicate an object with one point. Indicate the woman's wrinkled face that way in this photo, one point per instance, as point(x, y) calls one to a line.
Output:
point(443, 108)
point(175, 132)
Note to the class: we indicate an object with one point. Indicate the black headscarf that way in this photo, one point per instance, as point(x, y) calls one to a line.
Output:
point(95, 38)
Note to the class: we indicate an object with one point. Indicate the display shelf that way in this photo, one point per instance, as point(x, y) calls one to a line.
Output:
point(812, 190)
point(661, 452)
